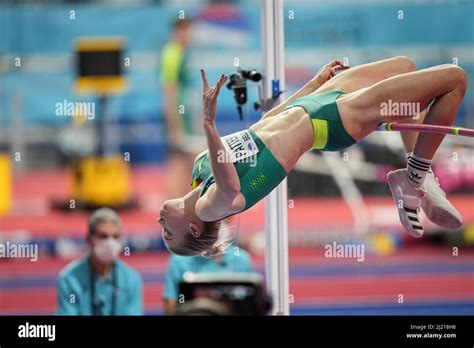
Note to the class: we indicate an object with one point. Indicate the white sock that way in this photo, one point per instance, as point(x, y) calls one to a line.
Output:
point(417, 169)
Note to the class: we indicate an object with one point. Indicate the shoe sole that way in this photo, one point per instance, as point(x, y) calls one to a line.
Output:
point(441, 217)
point(401, 213)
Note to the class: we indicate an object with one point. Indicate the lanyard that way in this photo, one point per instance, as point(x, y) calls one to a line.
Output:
point(95, 306)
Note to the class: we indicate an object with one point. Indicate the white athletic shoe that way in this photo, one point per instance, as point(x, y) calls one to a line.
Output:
point(437, 207)
point(408, 201)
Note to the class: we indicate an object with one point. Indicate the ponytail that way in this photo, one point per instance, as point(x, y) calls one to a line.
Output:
point(224, 240)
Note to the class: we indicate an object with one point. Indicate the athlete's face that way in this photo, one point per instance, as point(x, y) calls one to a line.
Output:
point(173, 220)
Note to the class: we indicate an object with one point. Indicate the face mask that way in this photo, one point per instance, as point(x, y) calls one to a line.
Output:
point(107, 250)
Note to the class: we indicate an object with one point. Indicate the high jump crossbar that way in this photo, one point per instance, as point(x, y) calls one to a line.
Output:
point(276, 208)
point(425, 128)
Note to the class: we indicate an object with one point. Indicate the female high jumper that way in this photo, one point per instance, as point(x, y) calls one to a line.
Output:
point(331, 112)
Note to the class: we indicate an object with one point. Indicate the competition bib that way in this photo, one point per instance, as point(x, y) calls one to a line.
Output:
point(239, 146)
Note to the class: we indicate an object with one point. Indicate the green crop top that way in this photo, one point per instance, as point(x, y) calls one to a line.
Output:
point(258, 170)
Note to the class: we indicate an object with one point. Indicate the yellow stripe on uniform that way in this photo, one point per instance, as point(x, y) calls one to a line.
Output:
point(456, 130)
point(320, 128)
point(195, 184)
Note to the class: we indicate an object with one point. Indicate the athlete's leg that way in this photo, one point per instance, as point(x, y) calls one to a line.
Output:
point(434, 203)
point(361, 113)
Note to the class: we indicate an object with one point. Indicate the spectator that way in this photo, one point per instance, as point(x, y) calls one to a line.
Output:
point(235, 260)
point(99, 283)
point(175, 82)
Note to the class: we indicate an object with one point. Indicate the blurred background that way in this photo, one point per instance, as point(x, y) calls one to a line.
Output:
point(49, 182)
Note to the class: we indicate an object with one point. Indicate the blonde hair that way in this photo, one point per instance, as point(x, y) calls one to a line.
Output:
point(214, 240)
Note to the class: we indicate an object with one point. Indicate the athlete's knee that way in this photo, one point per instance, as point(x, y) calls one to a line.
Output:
point(459, 78)
point(452, 76)
point(405, 64)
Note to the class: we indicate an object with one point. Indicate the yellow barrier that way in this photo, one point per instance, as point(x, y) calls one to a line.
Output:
point(469, 235)
point(5, 184)
point(102, 181)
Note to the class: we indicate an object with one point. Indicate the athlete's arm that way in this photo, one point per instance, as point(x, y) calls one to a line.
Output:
point(325, 74)
point(227, 181)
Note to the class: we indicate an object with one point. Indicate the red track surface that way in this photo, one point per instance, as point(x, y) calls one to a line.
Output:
point(307, 290)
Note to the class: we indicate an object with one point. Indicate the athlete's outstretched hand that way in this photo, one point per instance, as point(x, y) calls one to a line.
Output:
point(209, 97)
point(328, 71)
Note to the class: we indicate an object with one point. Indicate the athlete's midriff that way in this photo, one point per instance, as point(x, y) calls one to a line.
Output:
point(287, 135)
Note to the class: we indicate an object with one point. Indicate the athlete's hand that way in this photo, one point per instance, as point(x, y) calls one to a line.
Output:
point(328, 71)
point(209, 98)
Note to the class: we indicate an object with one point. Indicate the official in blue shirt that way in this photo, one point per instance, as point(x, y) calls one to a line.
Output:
point(234, 260)
point(99, 283)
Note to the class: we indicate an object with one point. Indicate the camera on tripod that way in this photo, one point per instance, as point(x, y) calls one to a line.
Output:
point(230, 293)
point(238, 83)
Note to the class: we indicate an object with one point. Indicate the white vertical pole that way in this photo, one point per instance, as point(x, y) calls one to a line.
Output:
point(276, 213)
